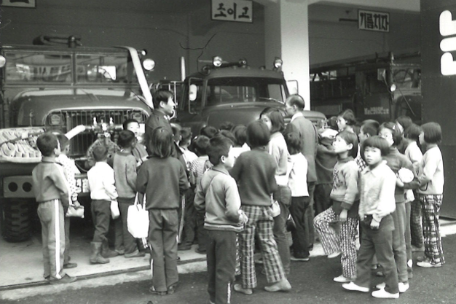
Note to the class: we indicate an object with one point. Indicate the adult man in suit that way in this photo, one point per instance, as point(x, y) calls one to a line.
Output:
point(295, 106)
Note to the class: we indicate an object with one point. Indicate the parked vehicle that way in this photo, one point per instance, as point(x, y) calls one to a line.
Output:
point(232, 92)
point(57, 88)
point(380, 88)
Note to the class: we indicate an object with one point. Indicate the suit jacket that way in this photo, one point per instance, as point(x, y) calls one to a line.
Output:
point(309, 143)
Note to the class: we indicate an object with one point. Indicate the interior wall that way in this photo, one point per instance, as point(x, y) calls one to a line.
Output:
point(332, 39)
point(168, 30)
point(174, 28)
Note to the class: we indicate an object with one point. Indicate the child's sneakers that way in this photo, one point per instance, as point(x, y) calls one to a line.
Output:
point(427, 264)
point(239, 288)
point(383, 294)
point(282, 285)
point(64, 280)
point(342, 279)
point(353, 287)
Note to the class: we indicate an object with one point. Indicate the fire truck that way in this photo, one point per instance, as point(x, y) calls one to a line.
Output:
point(232, 92)
point(380, 87)
point(61, 86)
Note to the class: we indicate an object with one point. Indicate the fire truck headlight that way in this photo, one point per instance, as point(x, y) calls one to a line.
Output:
point(2, 61)
point(55, 119)
point(143, 52)
point(148, 64)
point(217, 61)
point(393, 87)
point(278, 63)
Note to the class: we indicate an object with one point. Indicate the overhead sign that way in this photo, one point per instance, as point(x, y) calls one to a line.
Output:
point(232, 10)
point(373, 21)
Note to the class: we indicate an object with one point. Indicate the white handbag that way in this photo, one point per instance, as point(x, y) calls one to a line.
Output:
point(138, 219)
point(115, 212)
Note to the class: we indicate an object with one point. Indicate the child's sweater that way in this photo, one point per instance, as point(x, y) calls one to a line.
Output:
point(49, 182)
point(163, 180)
point(325, 161)
point(377, 188)
point(254, 172)
point(218, 195)
point(278, 149)
point(430, 172)
point(125, 174)
point(345, 187)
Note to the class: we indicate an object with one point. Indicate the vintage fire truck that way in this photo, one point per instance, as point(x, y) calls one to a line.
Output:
point(380, 87)
point(84, 92)
point(232, 92)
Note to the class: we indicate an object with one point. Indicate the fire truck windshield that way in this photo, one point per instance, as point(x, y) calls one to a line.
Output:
point(26, 67)
point(242, 89)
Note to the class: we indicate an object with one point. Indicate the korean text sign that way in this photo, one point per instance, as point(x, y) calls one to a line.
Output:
point(232, 10)
point(373, 21)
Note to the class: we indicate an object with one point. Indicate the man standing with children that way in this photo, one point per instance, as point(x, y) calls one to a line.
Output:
point(247, 195)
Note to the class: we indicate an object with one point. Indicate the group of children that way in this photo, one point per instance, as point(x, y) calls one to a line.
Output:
point(380, 187)
point(244, 183)
point(55, 191)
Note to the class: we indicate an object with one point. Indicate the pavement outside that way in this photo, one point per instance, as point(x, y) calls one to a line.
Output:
point(21, 277)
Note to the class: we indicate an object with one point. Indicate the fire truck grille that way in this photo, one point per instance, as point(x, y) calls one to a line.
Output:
point(91, 118)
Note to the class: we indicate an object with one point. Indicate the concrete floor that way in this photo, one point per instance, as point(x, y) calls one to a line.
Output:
point(21, 263)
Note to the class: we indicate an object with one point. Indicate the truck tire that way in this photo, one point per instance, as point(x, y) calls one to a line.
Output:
point(17, 223)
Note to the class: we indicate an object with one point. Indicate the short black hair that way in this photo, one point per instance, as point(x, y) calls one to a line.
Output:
point(376, 142)
point(293, 140)
point(228, 135)
point(397, 135)
point(276, 117)
point(209, 131)
point(349, 117)
point(404, 121)
point(413, 132)
point(161, 143)
point(200, 144)
point(127, 122)
point(370, 128)
point(258, 134)
point(100, 153)
point(296, 100)
point(240, 133)
point(227, 125)
point(46, 143)
point(63, 141)
point(218, 146)
point(185, 136)
point(432, 132)
point(161, 95)
point(126, 139)
point(350, 138)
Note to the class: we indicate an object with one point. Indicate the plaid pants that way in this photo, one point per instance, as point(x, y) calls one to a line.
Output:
point(430, 206)
point(259, 218)
point(344, 242)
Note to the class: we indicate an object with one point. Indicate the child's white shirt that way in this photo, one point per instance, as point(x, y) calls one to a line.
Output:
point(297, 180)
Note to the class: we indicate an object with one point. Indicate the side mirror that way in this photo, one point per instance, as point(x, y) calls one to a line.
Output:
point(192, 92)
point(381, 74)
point(292, 87)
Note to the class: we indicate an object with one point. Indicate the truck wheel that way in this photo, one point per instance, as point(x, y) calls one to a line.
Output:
point(17, 224)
